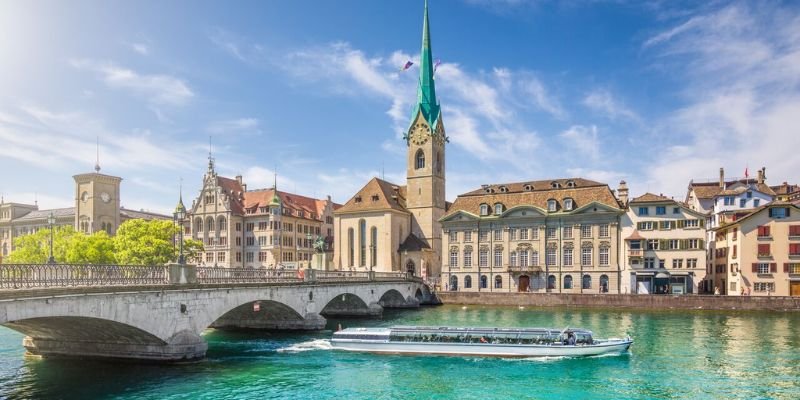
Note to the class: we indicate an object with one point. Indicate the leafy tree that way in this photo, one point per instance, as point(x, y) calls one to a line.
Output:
point(97, 248)
point(192, 250)
point(145, 242)
point(34, 248)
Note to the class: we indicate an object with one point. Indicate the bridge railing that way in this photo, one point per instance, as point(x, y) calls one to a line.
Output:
point(389, 276)
point(340, 276)
point(210, 275)
point(25, 276)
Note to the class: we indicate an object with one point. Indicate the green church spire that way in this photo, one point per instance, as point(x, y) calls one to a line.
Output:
point(426, 92)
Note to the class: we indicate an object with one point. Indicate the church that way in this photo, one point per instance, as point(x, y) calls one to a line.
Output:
point(389, 227)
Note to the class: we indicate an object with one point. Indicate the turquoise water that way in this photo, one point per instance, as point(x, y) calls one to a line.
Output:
point(698, 355)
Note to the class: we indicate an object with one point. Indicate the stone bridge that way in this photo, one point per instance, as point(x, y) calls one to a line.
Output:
point(165, 321)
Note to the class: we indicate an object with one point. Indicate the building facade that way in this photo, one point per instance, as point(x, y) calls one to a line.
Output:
point(663, 247)
point(542, 236)
point(391, 227)
point(263, 228)
point(759, 253)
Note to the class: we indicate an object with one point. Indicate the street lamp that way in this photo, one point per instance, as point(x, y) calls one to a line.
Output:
point(310, 243)
point(180, 215)
point(51, 220)
point(371, 256)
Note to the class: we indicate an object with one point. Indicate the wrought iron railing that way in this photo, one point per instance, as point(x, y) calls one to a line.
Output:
point(24, 276)
point(389, 276)
point(341, 276)
point(211, 275)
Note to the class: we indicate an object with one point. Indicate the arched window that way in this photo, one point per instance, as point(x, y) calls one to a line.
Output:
point(555, 185)
point(222, 224)
point(420, 159)
point(484, 282)
point(484, 209)
point(198, 225)
point(351, 246)
point(411, 268)
point(373, 246)
point(552, 206)
point(209, 224)
point(551, 282)
point(603, 283)
point(498, 282)
point(568, 282)
point(587, 282)
point(512, 259)
point(498, 208)
point(568, 204)
point(453, 282)
point(362, 242)
point(438, 162)
point(467, 282)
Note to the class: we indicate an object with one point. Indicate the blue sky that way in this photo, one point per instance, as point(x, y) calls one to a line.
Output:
point(655, 93)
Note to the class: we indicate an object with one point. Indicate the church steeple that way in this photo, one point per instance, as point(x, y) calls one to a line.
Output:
point(426, 91)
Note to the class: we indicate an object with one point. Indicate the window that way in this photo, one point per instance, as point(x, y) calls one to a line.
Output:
point(742, 203)
point(420, 159)
point(483, 258)
point(248, 256)
point(729, 200)
point(484, 209)
point(652, 244)
point(523, 258)
point(362, 241)
point(483, 236)
point(467, 282)
point(251, 241)
point(512, 234)
point(763, 231)
point(674, 244)
point(567, 232)
point(645, 225)
point(677, 263)
point(794, 230)
point(691, 263)
point(635, 244)
point(551, 233)
point(467, 236)
point(586, 256)
point(568, 204)
point(586, 231)
point(262, 226)
point(764, 287)
point(351, 246)
point(649, 262)
point(550, 256)
point(523, 234)
point(373, 233)
point(587, 282)
point(238, 256)
point(512, 259)
point(761, 268)
point(749, 194)
point(498, 257)
point(567, 252)
point(453, 236)
point(792, 268)
point(484, 282)
point(498, 234)
point(694, 244)
point(453, 258)
point(735, 233)
point(733, 255)
point(498, 209)
point(535, 233)
point(643, 211)
point(262, 240)
point(262, 256)
point(676, 210)
point(249, 226)
point(209, 257)
point(794, 249)
point(604, 230)
point(551, 282)
point(666, 225)
point(661, 210)
point(756, 202)
point(534, 257)
point(551, 205)
point(498, 282)
point(604, 256)
point(779, 212)
point(568, 282)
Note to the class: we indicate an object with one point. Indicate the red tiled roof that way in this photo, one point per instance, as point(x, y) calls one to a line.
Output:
point(377, 195)
point(652, 198)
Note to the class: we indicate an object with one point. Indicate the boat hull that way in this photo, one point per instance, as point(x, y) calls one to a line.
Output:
point(482, 349)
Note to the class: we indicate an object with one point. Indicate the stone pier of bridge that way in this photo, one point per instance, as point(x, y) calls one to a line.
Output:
point(166, 322)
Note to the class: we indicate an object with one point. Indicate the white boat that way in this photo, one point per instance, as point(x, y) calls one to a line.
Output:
point(498, 342)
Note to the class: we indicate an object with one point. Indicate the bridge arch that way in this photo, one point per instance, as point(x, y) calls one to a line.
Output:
point(349, 304)
point(392, 298)
point(260, 314)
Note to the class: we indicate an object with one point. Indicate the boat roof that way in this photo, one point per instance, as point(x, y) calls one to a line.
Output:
point(462, 330)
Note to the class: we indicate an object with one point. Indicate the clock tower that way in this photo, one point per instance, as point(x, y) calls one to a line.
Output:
point(426, 141)
point(97, 202)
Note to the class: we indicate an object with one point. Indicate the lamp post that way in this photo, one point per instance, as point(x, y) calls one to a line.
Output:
point(310, 243)
point(371, 256)
point(180, 215)
point(51, 220)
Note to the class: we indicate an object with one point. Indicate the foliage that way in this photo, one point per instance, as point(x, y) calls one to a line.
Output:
point(192, 249)
point(145, 242)
point(97, 248)
point(34, 248)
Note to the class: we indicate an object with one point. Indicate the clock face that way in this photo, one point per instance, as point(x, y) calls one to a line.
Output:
point(420, 134)
point(105, 197)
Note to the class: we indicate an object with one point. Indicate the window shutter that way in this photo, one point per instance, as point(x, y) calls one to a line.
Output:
point(681, 223)
point(639, 225)
point(663, 244)
point(755, 267)
point(773, 267)
point(766, 230)
point(786, 267)
point(770, 213)
point(788, 210)
point(683, 243)
point(700, 243)
point(702, 223)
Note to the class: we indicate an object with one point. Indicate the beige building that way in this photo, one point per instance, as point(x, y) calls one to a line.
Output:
point(391, 227)
point(759, 253)
point(663, 249)
point(97, 208)
point(263, 228)
point(557, 235)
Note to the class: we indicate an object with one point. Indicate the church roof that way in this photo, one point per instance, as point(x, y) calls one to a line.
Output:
point(426, 90)
point(413, 243)
point(652, 198)
point(43, 214)
point(377, 195)
point(290, 201)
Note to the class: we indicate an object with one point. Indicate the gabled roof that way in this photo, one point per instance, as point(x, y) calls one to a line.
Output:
point(785, 188)
point(293, 202)
point(511, 195)
point(709, 190)
point(635, 235)
point(652, 198)
point(234, 190)
point(377, 195)
point(43, 214)
point(759, 210)
point(146, 215)
point(413, 243)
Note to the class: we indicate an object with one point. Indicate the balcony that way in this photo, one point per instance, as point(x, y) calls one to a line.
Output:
point(635, 253)
point(529, 268)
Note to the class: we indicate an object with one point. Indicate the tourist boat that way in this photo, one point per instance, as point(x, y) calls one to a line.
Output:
point(498, 342)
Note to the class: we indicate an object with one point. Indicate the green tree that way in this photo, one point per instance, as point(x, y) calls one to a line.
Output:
point(145, 242)
point(192, 250)
point(97, 248)
point(34, 248)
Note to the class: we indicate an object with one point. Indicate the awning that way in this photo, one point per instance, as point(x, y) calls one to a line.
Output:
point(662, 275)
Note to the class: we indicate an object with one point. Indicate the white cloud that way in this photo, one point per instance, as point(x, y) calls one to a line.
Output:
point(159, 89)
point(235, 126)
point(602, 101)
point(237, 46)
point(583, 139)
point(541, 98)
point(140, 48)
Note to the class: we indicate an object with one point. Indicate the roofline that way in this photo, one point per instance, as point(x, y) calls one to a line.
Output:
point(470, 194)
point(754, 212)
point(405, 212)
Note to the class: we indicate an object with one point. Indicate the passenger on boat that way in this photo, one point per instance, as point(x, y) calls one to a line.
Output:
point(570, 339)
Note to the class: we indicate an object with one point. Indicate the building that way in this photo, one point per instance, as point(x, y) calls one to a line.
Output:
point(558, 235)
point(663, 249)
point(97, 208)
point(392, 227)
point(786, 192)
point(262, 228)
point(759, 253)
point(722, 199)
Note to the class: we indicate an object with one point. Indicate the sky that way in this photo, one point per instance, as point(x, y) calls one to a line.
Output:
point(652, 92)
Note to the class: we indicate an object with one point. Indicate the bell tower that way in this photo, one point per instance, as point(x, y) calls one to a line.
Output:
point(426, 139)
point(97, 201)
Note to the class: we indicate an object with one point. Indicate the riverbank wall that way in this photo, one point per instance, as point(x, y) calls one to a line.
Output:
point(632, 301)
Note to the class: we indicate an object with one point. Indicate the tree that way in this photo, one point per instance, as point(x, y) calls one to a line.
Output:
point(97, 248)
point(34, 248)
point(192, 249)
point(145, 242)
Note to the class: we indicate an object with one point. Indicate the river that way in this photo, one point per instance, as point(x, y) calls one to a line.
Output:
point(677, 354)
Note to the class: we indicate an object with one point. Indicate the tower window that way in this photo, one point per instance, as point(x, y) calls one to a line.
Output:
point(420, 159)
point(438, 162)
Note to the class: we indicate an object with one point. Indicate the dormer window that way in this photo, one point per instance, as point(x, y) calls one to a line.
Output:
point(528, 188)
point(498, 208)
point(375, 197)
point(552, 205)
point(568, 205)
point(358, 199)
point(503, 189)
point(484, 209)
point(571, 184)
point(555, 185)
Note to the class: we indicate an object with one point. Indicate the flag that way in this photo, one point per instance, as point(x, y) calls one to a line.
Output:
point(436, 65)
point(746, 173)
point(407, 65)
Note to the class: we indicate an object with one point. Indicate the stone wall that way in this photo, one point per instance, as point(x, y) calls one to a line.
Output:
point(623, 300)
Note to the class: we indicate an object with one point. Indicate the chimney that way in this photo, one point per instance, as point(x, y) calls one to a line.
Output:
point(762, 174)
point(239, 179)
point(721, 178)
point(622, 193)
